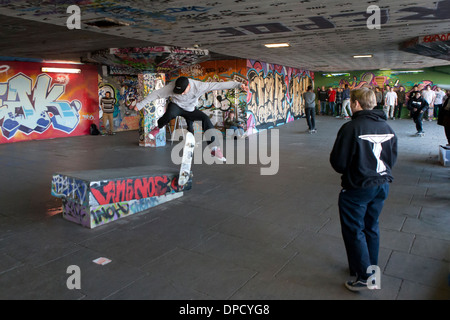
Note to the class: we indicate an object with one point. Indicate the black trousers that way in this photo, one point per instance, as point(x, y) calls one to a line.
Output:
point(447, 133)
point(173, 111)
point(310, 118)
point(417, 118)
point(398, 110)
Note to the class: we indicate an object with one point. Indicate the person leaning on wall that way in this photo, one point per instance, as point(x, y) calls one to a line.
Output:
point(107, 104)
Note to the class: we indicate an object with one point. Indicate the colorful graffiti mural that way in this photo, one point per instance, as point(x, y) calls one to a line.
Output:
point(275, 95)
point(161, 59)
point(407, 79)
point(381, 79)
point(92, 203)
point(107, 213)
point(38, 105)
point(150, 114)
point(120, 190)
point(217, 104)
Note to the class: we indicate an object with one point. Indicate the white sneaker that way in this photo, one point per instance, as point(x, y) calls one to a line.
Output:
point(216, 152)
point(152, 134)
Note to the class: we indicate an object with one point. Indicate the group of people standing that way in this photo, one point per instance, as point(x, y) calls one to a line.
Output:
point(422, 104)
point(337, 101)
point(427, 104)
point(334, 101)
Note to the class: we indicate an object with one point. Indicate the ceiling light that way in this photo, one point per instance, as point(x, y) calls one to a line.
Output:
point(407, 71)
point(362, 56)
point(277, 45)
point(329, 75)
point(60, 70)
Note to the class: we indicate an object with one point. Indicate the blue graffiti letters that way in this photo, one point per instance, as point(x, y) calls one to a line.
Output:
point(31, 109)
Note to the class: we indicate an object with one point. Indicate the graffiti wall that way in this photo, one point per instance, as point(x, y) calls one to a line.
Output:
point(40, 105)
point(159, 59)
point(435, 77)
point(275, 96)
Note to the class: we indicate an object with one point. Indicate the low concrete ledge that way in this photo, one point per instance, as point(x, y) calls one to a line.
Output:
point(96, 197)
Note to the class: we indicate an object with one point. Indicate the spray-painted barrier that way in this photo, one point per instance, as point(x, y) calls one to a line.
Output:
point(96, 197)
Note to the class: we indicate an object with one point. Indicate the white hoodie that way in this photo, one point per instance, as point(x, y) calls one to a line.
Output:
point(189, 100)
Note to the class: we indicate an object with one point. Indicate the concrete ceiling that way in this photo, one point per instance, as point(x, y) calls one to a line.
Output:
point(323, 35)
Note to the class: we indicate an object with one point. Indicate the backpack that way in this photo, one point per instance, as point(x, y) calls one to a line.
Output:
point(94, 130)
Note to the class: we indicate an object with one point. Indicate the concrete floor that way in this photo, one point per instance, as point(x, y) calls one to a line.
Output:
point(236, 235)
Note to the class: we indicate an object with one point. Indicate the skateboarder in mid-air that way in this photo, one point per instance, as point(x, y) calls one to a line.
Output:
point(184, 94)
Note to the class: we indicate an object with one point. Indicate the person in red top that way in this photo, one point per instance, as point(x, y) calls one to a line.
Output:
point(332, 99)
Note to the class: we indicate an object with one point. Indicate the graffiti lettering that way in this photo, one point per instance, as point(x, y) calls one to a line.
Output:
point(4, 68)
point(275, 94)
point(442, 11)
point(186, 9)
point(360, 18)
point(317, 23)
point(63, 186)
point(128, 189)
point(357, 19)
point(109, 212)
point(88, 117)
point(263, 28)
point(34, 109)
point(75, 212)
point(437, 37)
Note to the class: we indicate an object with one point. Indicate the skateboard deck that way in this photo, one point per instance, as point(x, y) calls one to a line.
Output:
point(188, 153)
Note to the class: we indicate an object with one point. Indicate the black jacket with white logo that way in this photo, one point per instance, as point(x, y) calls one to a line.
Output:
point(365, 150)
point(420, 104)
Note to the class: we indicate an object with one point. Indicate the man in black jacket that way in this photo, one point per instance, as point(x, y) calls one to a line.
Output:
point(364, 153)
point(418, 106)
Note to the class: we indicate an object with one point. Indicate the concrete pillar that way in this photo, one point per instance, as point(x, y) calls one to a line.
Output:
point(149, 115)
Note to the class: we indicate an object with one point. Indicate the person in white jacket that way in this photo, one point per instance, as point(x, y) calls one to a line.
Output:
point(184, 94)
point(390, 102)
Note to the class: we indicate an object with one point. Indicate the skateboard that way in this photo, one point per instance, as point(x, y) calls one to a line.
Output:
point(188, 153)
point(420, 134)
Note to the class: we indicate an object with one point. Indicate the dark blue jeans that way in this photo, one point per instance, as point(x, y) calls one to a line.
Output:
point(310, 118)
point(417, 118)
point(359, 210)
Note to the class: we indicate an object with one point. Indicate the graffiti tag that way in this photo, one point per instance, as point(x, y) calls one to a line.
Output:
point(28, 109)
